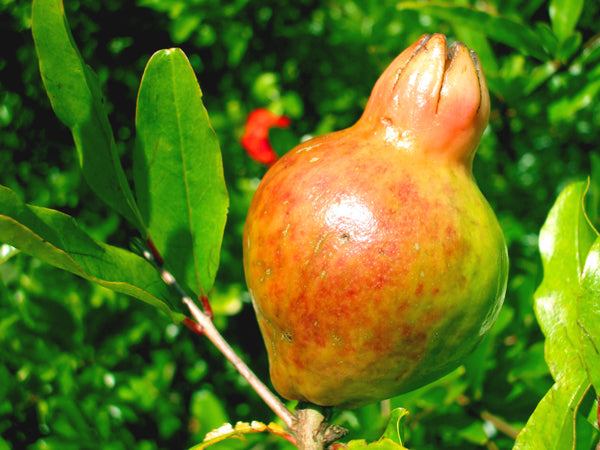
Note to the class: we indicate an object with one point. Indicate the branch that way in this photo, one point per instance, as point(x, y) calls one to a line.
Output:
point(500, 424)
point(207, 328)
point(261, 389)
point(310, 426)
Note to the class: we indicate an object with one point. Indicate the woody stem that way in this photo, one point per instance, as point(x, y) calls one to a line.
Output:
point(261, 389)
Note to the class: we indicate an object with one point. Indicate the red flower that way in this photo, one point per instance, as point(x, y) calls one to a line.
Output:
point(256, 136)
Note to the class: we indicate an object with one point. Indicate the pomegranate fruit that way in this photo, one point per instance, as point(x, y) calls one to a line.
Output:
point(374, 262)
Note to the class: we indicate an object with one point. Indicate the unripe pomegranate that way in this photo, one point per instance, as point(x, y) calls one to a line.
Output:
point(374, 262)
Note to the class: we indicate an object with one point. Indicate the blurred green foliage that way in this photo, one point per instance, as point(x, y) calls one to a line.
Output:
point(83, 367)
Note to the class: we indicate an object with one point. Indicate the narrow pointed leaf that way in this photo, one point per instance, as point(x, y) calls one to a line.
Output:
point(498, 28)
point(589, 315)
point(56, 239)
point(178, 171)
point(565, 240)
point(76, 98)
point(564, 15)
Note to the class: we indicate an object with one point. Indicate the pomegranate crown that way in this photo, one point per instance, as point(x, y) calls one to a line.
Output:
point(432, 99)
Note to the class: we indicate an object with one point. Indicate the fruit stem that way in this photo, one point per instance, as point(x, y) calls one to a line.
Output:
point(261, 389)
point(313, 431)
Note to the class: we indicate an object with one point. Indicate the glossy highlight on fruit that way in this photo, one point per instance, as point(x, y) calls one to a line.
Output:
point(374, 262)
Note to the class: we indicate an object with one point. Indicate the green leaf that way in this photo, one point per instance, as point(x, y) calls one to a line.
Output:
point(237, 432)
point(592, 205)
point(208, 411)
point(552, 424)
point(56, 239)
point(547, 36)
point(7, 252)
point(561, 303)
point(569, 47)
point(565, 240)
point(393, 436)
point(586, 422)
point(539, 75)
point(589, 315)
point(382, 444)
point(76, 98)
point(474, 433)
point(178, 171)
point(590, 53)
point(499, 28)
point(564, 15)
point(395, 426)
point(567, 107)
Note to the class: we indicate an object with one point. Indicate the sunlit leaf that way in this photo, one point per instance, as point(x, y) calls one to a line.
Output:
point(564, 15)
point(540, 75)
point(395, 427)
point(552, 424)
point(56, 239)
point(565, 240)
point(589, 314)
point(76, 98)
point(382, 444)
point(392, 438)
point(184, 27)
point(499, 28)
point(568, 106)
point(178, 171)
point(7, 252)
point(241, 428)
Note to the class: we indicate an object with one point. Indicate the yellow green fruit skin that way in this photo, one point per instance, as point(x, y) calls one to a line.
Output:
point(374, 262)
